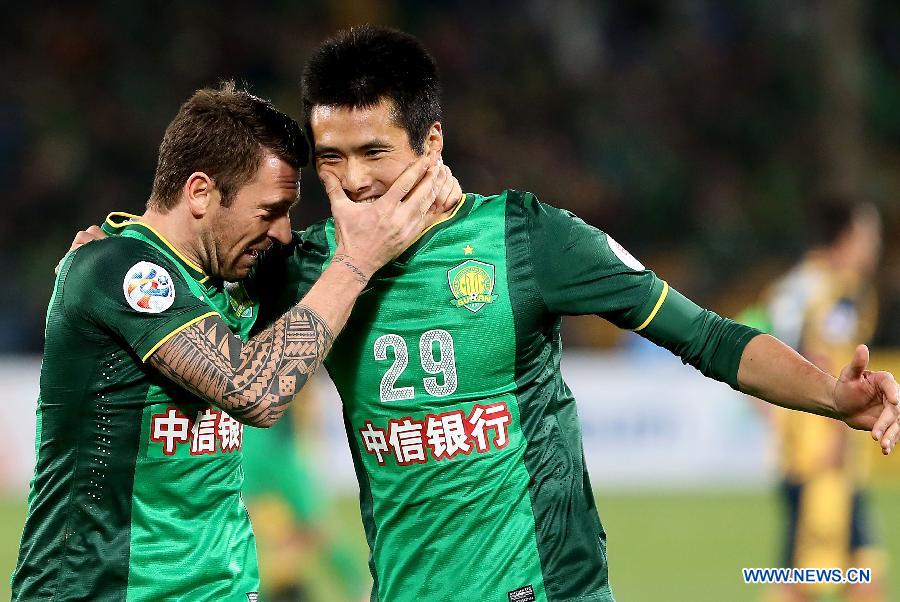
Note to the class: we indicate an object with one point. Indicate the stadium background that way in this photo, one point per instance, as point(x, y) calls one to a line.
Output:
point(693, 131)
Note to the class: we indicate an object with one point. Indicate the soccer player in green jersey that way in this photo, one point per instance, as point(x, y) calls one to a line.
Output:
point(150, 369)
point(465, 437)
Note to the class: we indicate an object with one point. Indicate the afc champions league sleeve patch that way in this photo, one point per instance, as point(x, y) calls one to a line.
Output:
point(623, 255)
point(148, 288)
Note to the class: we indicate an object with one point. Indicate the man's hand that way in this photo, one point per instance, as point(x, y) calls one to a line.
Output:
point(371, 234)
point(448, 193)
point(865, 400)
point(82, 238)
point(869, 400)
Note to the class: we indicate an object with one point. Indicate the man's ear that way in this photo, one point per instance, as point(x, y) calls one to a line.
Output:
point(200, 193)
point(434, 141)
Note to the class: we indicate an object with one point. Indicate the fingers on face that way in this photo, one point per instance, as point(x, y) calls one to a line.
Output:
point(337, 198)
point(332, 185)
point(442, 176)
point(408, 180)
point(420, 198)
point(446, 186)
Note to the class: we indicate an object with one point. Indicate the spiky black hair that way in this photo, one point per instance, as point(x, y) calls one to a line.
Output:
point(359, 67)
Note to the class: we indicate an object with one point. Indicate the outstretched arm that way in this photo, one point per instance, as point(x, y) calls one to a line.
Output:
point(863, 399)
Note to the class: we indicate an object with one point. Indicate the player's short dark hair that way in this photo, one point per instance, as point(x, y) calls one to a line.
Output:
point(359, 67)
point(223, 132)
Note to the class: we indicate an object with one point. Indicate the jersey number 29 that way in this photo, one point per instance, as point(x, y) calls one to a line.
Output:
point(444, 363)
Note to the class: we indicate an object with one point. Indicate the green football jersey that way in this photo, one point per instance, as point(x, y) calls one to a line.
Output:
point(136, 491)
point(465, 438)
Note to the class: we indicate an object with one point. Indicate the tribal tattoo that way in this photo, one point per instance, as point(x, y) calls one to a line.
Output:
point(253, 381)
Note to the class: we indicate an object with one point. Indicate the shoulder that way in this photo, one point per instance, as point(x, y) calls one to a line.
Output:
point(103, 268)
point(114, 256)
point(315, 237)
point(524, 205)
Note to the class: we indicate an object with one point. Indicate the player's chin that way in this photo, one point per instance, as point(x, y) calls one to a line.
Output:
point(238, 271)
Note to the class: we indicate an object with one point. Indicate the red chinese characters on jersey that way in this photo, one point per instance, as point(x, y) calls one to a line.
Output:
point(375, 441)
point(172, 428)
point(407, 442)
point(493, 417)
point(447, 434)
point(439, 436)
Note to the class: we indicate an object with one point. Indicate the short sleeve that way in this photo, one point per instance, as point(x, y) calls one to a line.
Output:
point(129, 289)
point(582, 270)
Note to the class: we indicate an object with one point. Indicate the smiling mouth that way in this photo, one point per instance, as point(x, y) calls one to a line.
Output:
point(253, 253)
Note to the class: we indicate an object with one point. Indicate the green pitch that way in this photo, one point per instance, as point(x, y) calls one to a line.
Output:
point(688, 546)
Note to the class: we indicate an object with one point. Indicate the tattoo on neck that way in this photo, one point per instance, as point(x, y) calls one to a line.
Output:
point(347, 261)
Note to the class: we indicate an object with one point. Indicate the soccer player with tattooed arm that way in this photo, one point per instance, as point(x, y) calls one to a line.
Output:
point(150, 371)
point(464, 436)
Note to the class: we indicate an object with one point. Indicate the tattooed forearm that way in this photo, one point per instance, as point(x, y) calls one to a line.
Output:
point(347, 262)
point(252, 381)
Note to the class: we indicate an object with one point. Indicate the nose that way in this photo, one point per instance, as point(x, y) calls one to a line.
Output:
point(280, 230)
point(356, 180)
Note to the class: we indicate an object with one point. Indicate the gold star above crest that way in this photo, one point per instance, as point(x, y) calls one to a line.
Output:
point(468, 250)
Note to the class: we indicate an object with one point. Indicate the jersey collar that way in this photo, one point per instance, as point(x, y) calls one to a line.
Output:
point(463, 207)
point(118, 222)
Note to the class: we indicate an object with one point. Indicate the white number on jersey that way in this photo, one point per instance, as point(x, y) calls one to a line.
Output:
point(401, 361)
point(444, 363)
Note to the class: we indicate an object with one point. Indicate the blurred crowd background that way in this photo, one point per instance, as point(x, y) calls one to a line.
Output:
point(697, 132)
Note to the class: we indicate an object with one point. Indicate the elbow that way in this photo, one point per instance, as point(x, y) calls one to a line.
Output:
point(266, 422)
point(261, 422)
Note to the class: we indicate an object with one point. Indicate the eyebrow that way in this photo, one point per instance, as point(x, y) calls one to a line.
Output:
point(282, 203)
point(376, 143)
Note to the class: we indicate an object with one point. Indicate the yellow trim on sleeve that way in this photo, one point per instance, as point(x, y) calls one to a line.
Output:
point(176, 331)
point(662, 297)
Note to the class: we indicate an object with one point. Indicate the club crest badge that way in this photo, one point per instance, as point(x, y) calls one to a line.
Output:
point(472, 284)
point(148, 288)
point(239, 299)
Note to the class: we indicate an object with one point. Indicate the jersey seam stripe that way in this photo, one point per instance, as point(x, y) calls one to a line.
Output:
point(516, 337)
point(61, 566)
point(176, 331)
point(662, 298)
point(162, 238)
point(527, 234)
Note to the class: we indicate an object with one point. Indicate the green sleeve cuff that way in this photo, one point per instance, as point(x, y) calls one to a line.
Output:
point(712, 344)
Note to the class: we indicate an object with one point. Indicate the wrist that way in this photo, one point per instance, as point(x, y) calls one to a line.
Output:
point(829, 404)
point(358, 270)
